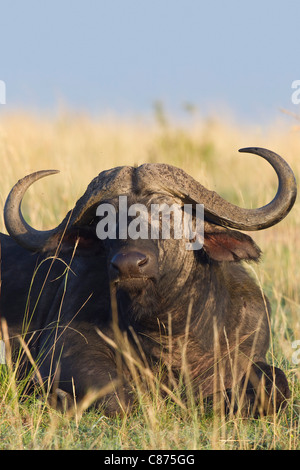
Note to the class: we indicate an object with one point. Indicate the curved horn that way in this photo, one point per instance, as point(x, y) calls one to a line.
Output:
point(280, 206)
point(229, 215)
point(222, 212)
point(109, 182)
point(16, 226)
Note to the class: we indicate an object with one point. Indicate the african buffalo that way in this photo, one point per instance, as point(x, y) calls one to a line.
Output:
point(72, 297)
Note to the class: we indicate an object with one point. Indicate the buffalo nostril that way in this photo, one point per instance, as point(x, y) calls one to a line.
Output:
point(130, 264)
point(143, 261)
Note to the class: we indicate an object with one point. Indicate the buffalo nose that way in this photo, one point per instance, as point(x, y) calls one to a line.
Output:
point(131, 264)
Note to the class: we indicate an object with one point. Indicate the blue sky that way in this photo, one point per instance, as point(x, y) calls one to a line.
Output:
point(123, 55)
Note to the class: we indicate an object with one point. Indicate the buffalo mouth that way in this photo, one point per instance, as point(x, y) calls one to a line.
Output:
point(135, 287)
point(133, 281)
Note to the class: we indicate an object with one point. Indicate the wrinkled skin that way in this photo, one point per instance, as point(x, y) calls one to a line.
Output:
point(204, 301)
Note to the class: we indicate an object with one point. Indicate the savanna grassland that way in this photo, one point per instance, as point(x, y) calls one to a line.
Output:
point(81, 147)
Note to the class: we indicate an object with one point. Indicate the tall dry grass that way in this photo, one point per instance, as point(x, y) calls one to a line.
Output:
point(81, 147)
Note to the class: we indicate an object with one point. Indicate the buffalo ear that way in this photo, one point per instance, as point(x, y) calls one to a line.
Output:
point(82, 241)
point(229, 245)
